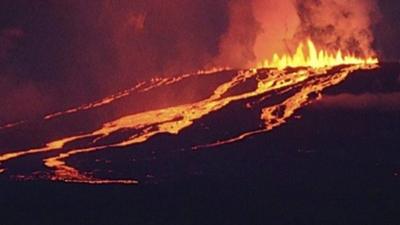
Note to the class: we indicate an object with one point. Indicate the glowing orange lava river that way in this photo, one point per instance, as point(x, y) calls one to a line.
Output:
point(300, 87)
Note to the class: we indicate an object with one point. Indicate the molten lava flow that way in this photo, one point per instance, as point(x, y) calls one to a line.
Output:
point(315, 58)
point(315, 75)
point(140, 87)
point(11, 125)
point(276, 115)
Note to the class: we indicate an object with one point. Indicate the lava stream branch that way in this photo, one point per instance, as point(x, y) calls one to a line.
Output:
point(140, 87)
point(276, 115)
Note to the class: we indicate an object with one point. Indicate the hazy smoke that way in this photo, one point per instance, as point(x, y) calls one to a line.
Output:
point(344, 24)
point(17, 96)
point(380, 102)
point(279, 22)
point(278, 26)
point(236, 47)
point(57, 54)
point(74, 52)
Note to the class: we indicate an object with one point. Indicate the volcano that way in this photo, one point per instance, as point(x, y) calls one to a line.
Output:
point(256, 100)
point(320, 130)
point(330, 126)
point(199, 112)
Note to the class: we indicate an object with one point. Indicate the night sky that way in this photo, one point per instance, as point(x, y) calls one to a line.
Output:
point(55, 54)
point(387, 32)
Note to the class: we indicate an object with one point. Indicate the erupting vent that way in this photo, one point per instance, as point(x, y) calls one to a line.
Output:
point(315, 58)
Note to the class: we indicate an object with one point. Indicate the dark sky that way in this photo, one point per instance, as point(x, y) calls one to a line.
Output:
point(387, 32)
point(55, 54)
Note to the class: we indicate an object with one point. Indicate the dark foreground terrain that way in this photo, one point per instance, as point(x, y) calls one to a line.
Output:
point(338, 164)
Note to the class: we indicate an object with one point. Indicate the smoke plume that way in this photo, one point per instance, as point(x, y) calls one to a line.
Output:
point(278, 26)
point(338, 24)
point(236, 47)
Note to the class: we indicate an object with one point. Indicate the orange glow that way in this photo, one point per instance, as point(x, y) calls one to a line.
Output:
point(312, 78)
point(314, 58)
point(276, 115)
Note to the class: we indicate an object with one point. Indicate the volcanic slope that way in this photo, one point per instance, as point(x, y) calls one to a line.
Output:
point(157, 129)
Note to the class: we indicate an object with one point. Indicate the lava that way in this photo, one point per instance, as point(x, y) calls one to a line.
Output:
point(313, 76)
point(315, 58)
point(278, 114)
point(140, 87)
point(11, 125)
